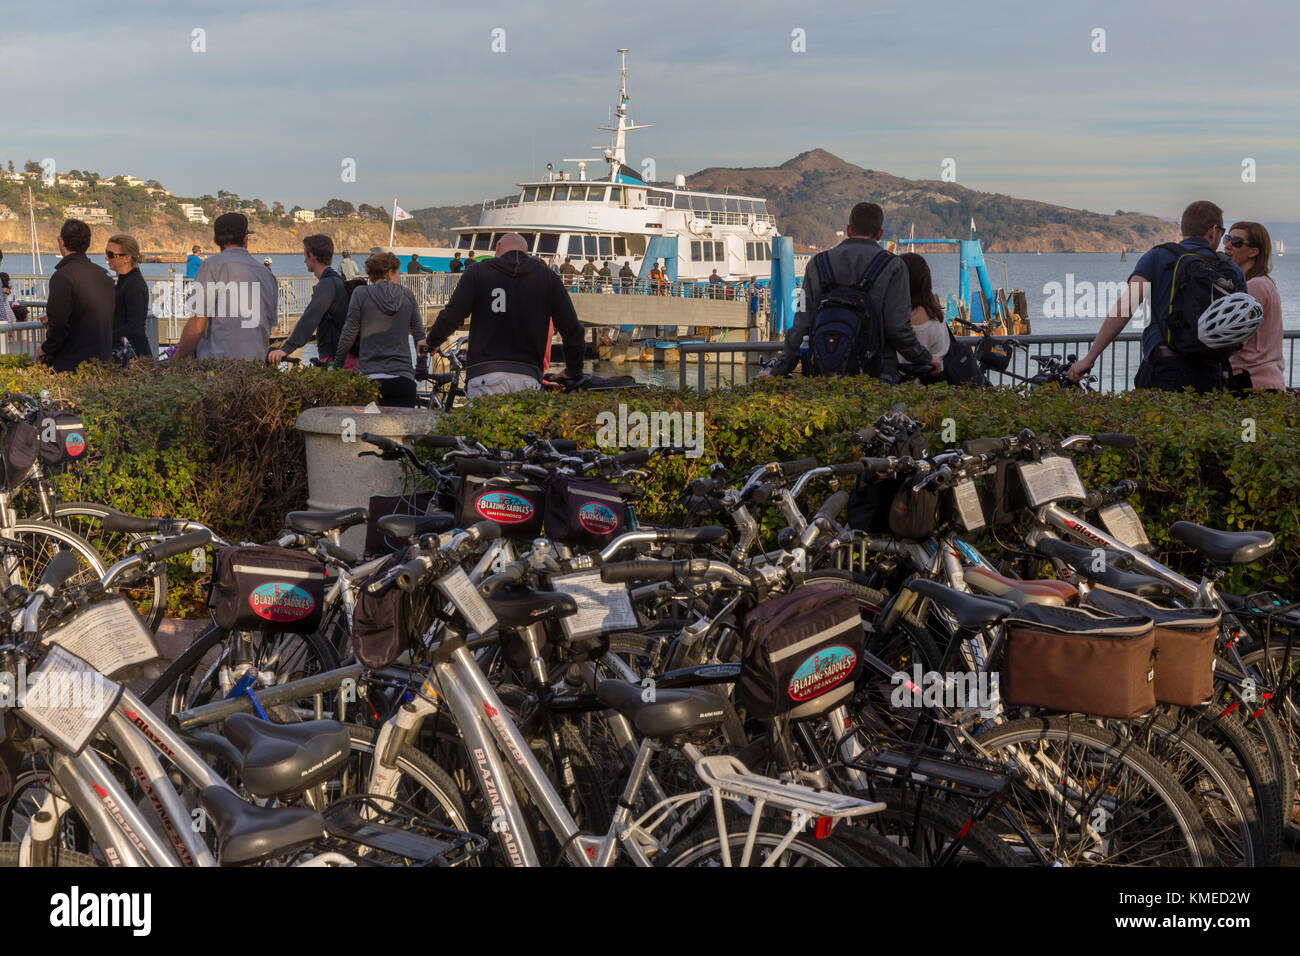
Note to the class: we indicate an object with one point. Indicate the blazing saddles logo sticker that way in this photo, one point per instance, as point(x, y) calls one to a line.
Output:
point(280, 601)
point(828, 668)
point(596, 518)
point(504, 507)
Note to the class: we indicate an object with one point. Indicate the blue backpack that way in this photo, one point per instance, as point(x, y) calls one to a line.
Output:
point(846, 337)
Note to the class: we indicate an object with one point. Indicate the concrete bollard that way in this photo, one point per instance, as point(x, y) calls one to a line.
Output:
point(336, 477)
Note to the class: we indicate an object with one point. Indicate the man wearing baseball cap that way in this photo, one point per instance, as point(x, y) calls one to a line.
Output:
point(233, 303)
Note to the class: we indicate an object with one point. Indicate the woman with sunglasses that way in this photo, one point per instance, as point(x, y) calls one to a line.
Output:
point(131, 308)
point(1248, 244)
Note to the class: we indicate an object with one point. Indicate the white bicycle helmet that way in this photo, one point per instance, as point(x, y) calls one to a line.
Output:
point(1229, 321)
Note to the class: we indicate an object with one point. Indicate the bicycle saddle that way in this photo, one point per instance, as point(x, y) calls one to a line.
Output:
point(324, 522)
point(667, 713)
point(247, 833)
point(412, 526)
point(1083, 561)
point(519, 607)
point(970, 611)
point(1223, 547)
point(1044, 591)
point(285, 759)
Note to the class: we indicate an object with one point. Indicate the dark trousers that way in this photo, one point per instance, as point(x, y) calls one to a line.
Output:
point(1169, 372)
point(396, 392)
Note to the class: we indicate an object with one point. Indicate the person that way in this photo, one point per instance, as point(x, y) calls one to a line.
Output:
point(656, 279)
point(192, 263)
point(348, 267)
point(627, 277)
point(414, 267)
point(235, 298)
point(1249, 245)
point(79, 309)
point(605, 274)
point(888, 299)
point(384, 316)
point(14, 311)
point(509, 350)
point(267, 262)
point(1152, 281)
point(927, 314)
point(715, 281)
point(456, 263)
point(327, 310)
point(131, 297)
point(568, 272)
point(589, 275)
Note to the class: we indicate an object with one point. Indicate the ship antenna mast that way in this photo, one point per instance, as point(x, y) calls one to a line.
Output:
point(616, 155)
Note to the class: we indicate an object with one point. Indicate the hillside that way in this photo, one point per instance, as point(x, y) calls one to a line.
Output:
point(811, 196)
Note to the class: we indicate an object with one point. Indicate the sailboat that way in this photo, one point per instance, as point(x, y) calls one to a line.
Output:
point(1280, 249)
point(37, 268)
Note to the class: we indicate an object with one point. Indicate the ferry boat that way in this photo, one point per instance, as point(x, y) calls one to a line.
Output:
point(615, 218)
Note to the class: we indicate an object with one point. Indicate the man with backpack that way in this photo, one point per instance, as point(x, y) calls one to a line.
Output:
point(328, 308)
point(1180, 280)
point(855, 308)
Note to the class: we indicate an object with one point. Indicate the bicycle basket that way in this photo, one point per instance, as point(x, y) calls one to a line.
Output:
point(584, 513)
point(515, 505)
point(263, 588)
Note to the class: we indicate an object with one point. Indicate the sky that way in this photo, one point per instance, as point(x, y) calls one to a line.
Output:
point(441, 104)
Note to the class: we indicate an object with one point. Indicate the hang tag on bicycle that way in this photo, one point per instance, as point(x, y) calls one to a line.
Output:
point(970, 512)
point(602, 607)
point(67, 699)
point(108, 635)
point(1053, 479)
point(462, 593)
point(1123, 522)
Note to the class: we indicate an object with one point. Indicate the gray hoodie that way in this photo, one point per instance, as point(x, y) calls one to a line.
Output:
point(385, 317)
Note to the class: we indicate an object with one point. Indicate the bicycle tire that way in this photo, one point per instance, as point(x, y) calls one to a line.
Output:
point(1166, 807)
point(934, 830)
point(1268, 662)
point(27, 568)
point(9, 853)
point(150, 599)
point(1226, 732)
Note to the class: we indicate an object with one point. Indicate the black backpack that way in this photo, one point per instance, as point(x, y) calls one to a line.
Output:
point(960, 366)
point(1200, 279)
point(846, 336)
point(331, 323)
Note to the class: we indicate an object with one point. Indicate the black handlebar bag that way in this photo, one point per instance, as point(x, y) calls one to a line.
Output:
point(264, 588)
point(62, 436)
point(517, 506)
point(19, 445)
point(387, 619)
point(584, 513)
point(802, 652)
point(918, 509)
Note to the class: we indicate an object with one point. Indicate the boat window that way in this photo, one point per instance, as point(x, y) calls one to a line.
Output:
point(760, 207)
point(717, 251)
point(620, 246)
point(464, 240)
point(599, 193)
point(715, 203)
point(530, 194)
point(589, 246)
point(544, 193)
point(681, 201)
point(708, 252)
point(747, 206)
point(606, 247)
point(528, 238)
point(636, 245)
point(733, 205)
point(481, 241)
point(561, 193)
point(575, 245)
point(695, 251)
point(548, 243)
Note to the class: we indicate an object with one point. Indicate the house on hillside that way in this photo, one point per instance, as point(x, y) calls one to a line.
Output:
point(92, 215)
point(132, 181)
point(194, 213)
point(304, 215)
point(6, 212)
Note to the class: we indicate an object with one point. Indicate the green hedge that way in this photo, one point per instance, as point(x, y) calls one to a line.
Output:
point(212, 441)
point(1192, 449)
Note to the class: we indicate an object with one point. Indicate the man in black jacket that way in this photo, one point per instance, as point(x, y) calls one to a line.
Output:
point(80, 305)
point(515, 302)
point(328, 308)
point(890, 296)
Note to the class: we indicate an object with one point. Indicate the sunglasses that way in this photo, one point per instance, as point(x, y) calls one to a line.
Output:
point(116, 255)
point(1235, 241)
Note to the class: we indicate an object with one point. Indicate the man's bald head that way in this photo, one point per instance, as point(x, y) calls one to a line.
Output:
point(511, 242)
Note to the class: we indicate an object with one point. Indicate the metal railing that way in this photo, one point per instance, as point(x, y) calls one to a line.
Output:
point(738, 363)
point(21, 338)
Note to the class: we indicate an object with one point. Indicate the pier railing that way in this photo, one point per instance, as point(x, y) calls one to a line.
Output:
point(705, 365)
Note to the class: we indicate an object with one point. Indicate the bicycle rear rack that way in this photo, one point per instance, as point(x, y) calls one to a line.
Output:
point(380, 831)
point(727, 774)
point(929, 767)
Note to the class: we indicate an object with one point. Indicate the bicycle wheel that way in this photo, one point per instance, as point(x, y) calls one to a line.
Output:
point(9, 856)
point(36, 542)
point(1252, 765)
point(1086, 797)
point(1275, 665)
point(937, 832)
point(30, 789)
point(86, 519)
point(704, 848)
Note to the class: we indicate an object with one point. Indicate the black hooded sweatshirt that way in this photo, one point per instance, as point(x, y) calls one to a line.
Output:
point(514, 300)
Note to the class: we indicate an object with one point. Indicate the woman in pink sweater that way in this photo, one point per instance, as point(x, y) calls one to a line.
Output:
point(1249, 244)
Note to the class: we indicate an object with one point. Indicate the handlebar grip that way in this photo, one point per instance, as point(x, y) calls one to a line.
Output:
point(867, 435)
point(878, 466)
point(564, 445)
point(638, 457)
point(848, 468)
point(834, 505)
point(180, 544)
point(511, 575)
point(61, 567)
point(479, 467)
point(379, 441)
point(791, 468)
point(410, 574)
point(484, 531)
point(1115, 440)
point(1132, 485)
point(710, 534)
point(437, 441)
point(984, 446)
point(1093, 499)
point(640, 569)
point(132, 524)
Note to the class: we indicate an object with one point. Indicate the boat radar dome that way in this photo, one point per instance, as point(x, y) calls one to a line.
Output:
point(679, 181)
